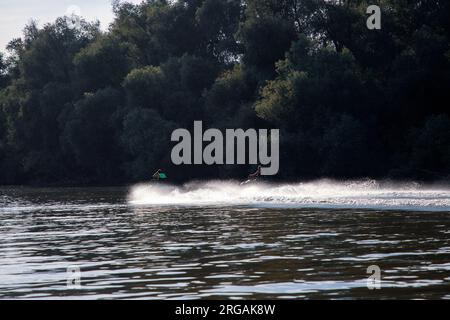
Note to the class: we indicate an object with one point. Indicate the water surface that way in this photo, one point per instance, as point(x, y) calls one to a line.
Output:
point(213, 250)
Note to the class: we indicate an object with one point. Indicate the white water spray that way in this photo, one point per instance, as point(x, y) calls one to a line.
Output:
point(319, 194)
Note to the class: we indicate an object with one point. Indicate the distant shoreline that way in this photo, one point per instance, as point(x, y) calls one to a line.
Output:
point(381, 182)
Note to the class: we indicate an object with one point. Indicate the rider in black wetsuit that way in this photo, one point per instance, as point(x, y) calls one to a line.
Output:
point(255, 175)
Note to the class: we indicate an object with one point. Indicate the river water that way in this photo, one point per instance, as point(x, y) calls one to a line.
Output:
point(220, 240)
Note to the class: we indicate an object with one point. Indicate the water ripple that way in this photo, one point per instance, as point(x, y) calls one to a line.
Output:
point(237, 252)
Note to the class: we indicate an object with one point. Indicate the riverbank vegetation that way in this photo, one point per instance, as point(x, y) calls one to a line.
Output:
point(82, 105)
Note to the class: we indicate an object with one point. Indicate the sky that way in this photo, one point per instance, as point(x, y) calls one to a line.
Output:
point(15, 14)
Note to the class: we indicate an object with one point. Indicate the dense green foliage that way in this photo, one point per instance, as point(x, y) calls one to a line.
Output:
point(78, 105)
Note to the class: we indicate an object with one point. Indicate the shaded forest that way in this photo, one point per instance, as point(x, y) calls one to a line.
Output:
point(85, 106)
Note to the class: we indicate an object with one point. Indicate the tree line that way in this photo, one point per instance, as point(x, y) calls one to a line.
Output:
point(85, 106)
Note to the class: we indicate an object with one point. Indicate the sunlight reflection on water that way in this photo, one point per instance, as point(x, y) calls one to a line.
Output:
point(174, 252)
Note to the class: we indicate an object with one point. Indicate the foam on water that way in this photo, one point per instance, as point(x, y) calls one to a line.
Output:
point(318, 194)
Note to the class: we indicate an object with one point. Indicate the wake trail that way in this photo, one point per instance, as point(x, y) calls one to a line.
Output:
point(317, 194)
